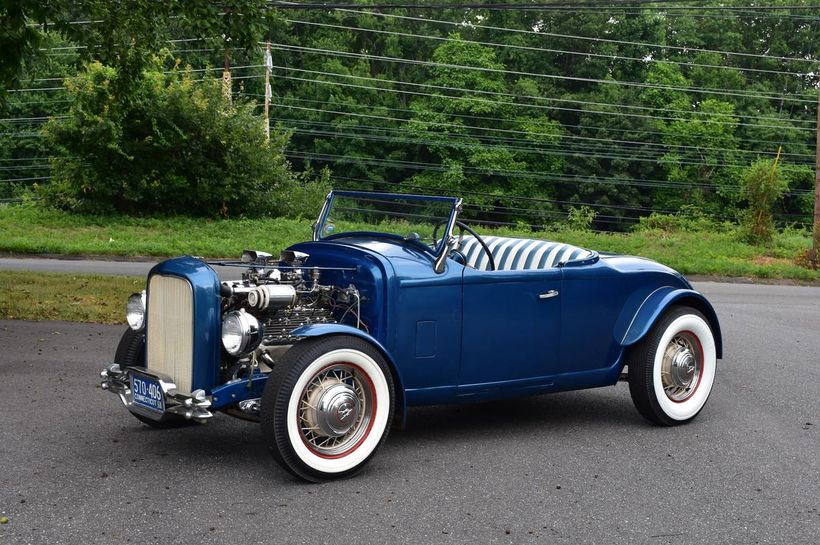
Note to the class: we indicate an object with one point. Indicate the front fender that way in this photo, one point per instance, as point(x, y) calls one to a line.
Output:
point(321, 330)
point(657, 302)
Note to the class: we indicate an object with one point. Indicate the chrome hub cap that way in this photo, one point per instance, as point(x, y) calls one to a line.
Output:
point(335, 410)
point(681, 367)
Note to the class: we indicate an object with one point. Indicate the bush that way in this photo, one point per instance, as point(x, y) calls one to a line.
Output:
point(689, 219)
point(174, 145)
point(304, 195)
point(763, 185)
point(580, 218)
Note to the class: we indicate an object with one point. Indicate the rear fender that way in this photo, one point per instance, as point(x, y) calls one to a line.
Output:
point(322, 330)
point(658, 302)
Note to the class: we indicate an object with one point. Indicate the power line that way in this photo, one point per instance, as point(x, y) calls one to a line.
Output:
point(528, 133)
point(567, 152)
point(553, 99)
point(12, 104)
point(510, 210)
point(26, 159)
point(641, 130)
point(673, 14)
point(531, 6)
point(25, 167)
point(26, 179)
point(444, 190)
point(545, 50)
point(535, 175)
point(540, 32)
point(597, 143)
point(492, 93)
point(641, 85)
point(31, 90)
point(40, 119)
point(178, 71)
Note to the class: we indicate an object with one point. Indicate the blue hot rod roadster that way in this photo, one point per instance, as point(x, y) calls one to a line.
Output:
point(395, 303)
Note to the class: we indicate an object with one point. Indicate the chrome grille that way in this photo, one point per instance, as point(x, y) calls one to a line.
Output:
point(170, 329)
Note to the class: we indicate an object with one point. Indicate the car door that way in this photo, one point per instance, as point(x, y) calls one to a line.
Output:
point(511, 329)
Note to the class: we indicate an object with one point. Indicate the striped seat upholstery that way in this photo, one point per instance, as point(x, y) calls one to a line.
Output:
point(517, 254)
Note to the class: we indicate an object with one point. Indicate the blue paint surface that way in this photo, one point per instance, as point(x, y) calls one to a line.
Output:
point(207, 320)
point(465, 334)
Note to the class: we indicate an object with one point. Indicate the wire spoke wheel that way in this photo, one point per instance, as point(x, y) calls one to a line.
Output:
point(672, 369)
point(682, 366)
point(327, 407)
point(336, 409)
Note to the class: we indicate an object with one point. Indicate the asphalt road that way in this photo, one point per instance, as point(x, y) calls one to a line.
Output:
point(578, 467)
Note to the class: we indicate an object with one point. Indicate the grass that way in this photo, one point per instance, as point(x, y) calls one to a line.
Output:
point(32, 230)
point(68, 297)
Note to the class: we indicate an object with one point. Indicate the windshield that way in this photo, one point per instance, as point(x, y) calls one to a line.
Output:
point(418, 217)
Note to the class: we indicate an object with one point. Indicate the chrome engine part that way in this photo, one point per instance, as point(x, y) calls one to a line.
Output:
point(272, 297)
point(288, 295)
point(277, 328)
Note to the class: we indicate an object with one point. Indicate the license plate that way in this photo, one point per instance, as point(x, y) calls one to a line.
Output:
point(147, 393)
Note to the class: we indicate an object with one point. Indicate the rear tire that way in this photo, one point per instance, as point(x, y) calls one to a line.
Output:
point(672, 369)
point(327, 407)
point(131, 353)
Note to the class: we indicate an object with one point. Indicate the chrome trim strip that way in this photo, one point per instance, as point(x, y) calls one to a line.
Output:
point(448, 240)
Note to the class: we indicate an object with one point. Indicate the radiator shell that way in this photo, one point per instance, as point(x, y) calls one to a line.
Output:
point(170, 330)
point(183, 323)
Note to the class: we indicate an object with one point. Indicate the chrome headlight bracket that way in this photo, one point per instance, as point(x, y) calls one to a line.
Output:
point(135, 311)
point(241, 332)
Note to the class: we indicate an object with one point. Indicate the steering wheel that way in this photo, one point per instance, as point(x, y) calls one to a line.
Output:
point(462, 228)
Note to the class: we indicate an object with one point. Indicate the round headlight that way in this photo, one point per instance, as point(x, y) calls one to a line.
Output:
point(241, 333)
point(135, 311)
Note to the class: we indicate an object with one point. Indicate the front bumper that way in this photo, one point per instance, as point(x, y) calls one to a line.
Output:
point(195, 406)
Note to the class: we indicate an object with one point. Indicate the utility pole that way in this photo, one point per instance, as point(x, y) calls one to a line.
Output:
point(226, 76)
point(226, 67)
point(268, 93)
point(814, 255)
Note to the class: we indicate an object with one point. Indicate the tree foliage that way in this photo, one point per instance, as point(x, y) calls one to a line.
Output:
point(494, 115)
point(763, 186)
point(177, 147)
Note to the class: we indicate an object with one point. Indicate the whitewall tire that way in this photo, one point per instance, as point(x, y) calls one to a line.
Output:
point(327, 407)
point(672, 370)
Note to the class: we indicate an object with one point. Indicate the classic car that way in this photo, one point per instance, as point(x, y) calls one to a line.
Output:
point(328, 344)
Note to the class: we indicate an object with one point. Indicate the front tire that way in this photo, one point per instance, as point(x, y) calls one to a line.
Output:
point(672, 370)
point(327, 407)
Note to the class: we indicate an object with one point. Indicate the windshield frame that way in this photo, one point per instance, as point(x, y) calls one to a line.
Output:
point(444, 242)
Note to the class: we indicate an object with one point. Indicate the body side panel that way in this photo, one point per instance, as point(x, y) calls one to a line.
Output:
point(417, 312)
point(510, 333)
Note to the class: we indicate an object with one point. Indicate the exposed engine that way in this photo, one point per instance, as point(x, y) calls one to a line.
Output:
point(286, 295)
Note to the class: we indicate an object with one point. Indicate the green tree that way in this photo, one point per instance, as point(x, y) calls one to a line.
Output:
point(763, 186)
point(178, 147)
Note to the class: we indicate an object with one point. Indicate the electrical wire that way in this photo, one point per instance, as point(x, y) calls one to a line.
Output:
point(543, 49)
point(560, 136)
point(541, 32)
point(497, 120)
point(534, 175)
point(450, 143)
point(641, 85)
point(26, 179)
point(470, 140)
point(572, 100)
point(478, 99)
